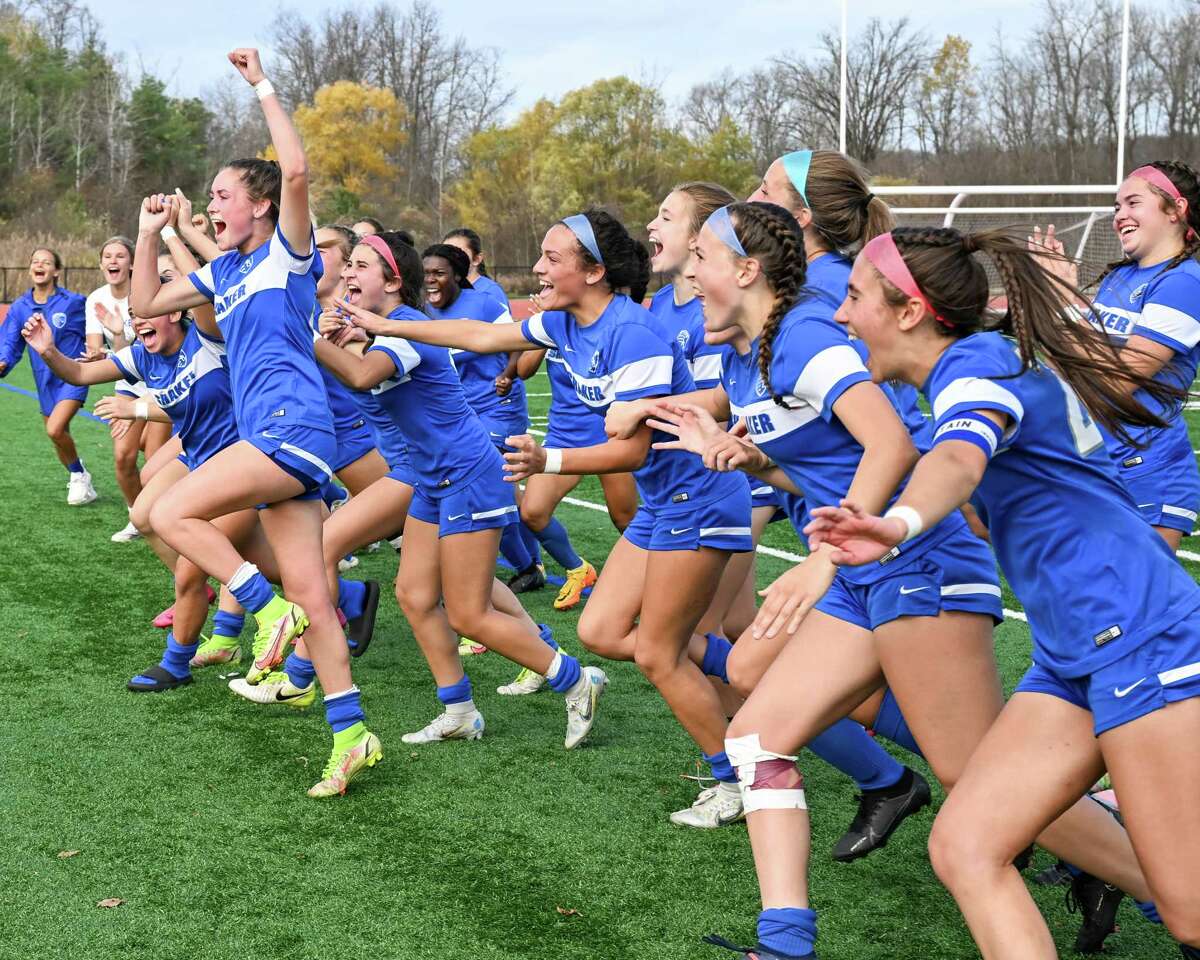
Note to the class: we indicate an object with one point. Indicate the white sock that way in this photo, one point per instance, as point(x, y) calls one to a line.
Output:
point(555, 665)
point(461, 709)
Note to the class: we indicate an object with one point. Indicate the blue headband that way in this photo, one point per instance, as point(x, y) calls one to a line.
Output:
point(720, 224)
point(579, 225)
point(795, 165)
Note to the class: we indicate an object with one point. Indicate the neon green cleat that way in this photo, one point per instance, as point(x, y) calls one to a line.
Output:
point(346, 764)
point(527, 682)
point(216, 650)
point(275, 688)
point(279, 623)
point(469, 648)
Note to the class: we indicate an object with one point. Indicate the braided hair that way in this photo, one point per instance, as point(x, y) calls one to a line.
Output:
point(942, 264)
point(1187, 182)
point(771, 235)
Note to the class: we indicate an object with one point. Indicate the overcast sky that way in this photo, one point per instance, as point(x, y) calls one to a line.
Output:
point(551, 46)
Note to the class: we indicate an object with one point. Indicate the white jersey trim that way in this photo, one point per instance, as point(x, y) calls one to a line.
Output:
point(1179, 326)
point(824, 371)
point(707, 367)
point(642, 374)
point(976, 390)
point(966, 589)
point(537, 329)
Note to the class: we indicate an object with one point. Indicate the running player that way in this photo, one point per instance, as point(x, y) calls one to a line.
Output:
point(263, 289)
point(1115, 620)
point(58, 401)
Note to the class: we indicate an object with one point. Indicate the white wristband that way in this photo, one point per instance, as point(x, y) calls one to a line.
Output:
point(141, 409)
point(911, 519)
point(168, 232)
point(553, 460)
point(264, 88)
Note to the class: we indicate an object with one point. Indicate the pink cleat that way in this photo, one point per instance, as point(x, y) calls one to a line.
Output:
point(166, 619)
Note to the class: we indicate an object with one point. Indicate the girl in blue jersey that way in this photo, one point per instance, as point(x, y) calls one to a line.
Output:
point(1115, 682)
point(58, 401)
point(1149, 304)
point(660, 576)
point(922, 618)
point(263, 290)
point(470, 243)
point(460, 503)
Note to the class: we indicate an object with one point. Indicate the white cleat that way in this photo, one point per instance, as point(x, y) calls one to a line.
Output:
point(347, 563)
point(276, 688)
point(126, 534)
point(527, 682)
point(80, 489)
point(449, 726)
point(581, 708)
point(714, 807)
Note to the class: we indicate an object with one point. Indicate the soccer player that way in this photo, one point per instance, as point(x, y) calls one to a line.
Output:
point(58, 401)
point(1116, 621)
point(470, 243)
point(263, 290)
point(460, 502)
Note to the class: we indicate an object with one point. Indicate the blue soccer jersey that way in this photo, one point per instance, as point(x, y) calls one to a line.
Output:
point(686, 324)
point(1163, 307)
point(627, 355)
point(478, 371)
point(425, 398)
point(65, 314)
point(490, 287)
point(813, 363)
point(828, 275)
point(192, 387)
point(264, 302)
point(1096, 581)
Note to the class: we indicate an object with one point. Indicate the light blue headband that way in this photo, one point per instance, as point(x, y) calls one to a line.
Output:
point(795, 165)
point(579, 225)
point(720, 224)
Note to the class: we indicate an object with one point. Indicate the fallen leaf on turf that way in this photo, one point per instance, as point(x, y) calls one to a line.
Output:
point(67, 854)
point(568, 912)
point(110, 902)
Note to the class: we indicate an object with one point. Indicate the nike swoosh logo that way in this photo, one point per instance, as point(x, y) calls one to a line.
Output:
point(676, 533)
point(459, 517)
point(905, 591)
point(1120, 693)
point(289, 696)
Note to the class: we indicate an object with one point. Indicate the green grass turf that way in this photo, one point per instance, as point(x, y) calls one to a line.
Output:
point(190, 805)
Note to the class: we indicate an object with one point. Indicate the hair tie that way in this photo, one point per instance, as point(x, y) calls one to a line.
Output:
point(795, 165)
point(722, 227)
point(379, 245)
point(581, 226)
point(866, 201)
point(885, 257)
point(1155, 177)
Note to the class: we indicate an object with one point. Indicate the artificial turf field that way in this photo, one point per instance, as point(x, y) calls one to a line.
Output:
point(189, 806)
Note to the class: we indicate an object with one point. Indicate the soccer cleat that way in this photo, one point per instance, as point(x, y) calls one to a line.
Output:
point(469, 648)
point(345, 765)
point(714, 807)
point(80, 489)
point(533, 577)
point(1054, 875)
point(1097, 901)
point(528, 681)
point(272, 640)
point(449, 726)
point(348, 562)
point(166, 619)
point(275, 688)
point(581, 708)
point(880, 812)
point(126, 534)
point(361, 629)
point(156, 680)
point(577, 581)
point(756, 953)
point(216, 650)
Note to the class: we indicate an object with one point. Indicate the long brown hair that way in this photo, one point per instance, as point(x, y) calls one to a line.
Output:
point(706, 197)
point(941, 262)
point(845, 213)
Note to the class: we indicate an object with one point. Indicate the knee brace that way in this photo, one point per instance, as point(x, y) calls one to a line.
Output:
point(768, 781)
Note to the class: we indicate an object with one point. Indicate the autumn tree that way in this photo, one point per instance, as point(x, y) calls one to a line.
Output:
point(947, 101)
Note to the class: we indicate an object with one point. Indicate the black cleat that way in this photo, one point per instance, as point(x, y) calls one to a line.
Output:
point(533, 577)
point(880, 812)
point(361, 629)
point(1022, 860)
point(159, 680)
point(1098, 902)
point(1053, 876)
point(756, 953)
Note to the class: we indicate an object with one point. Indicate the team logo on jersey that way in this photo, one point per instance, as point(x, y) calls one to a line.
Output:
point(1138, 293)
point(59, 320)
point(595, 364)
point(682, 338)
point(183, 359)
point(247, 266)
point(760, 388)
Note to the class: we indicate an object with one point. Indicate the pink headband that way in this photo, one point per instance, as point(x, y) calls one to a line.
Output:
point(885, 257)
point(1155, 177)
point(380, 247)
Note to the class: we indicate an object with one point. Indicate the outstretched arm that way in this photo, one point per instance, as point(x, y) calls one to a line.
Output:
point(37, 334)
point(477, 336)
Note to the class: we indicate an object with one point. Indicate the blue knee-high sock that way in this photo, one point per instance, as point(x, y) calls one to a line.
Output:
point(722, 769)
point(512, 546)
point(529, 538)
point(788, 930)
point(716, 657)
point(849, 748)
point(344, 710)
point(352, 596)
point(75, 466)
point(250, 588)
point(547, 636)
point(228, 624)
point(563, 673)
point(557, 542)
point(299, 671)
point(891, 724)
point(455, 693)
point(177, 657)
point(1149, 911)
